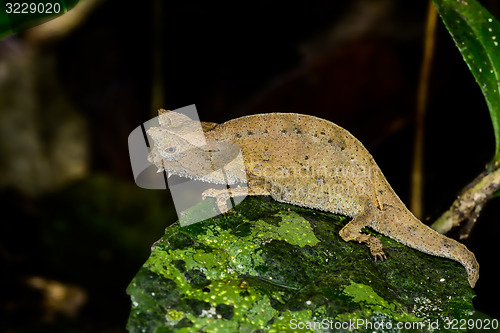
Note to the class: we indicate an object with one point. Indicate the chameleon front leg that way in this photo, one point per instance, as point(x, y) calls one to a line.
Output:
point(221, 196)
point(352, 232)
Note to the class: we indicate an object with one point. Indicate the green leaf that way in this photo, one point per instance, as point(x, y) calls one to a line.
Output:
point(18, 15)
point(477, 35)
point(268, 266)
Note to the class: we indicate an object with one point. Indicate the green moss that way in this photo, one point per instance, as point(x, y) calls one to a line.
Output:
point(267, 265)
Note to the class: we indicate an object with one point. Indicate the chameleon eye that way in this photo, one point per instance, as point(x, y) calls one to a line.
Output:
point(171, 150)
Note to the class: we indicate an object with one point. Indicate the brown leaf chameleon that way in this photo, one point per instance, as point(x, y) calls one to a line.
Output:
point(305, 161)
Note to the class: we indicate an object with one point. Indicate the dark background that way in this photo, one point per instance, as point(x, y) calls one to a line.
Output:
point(69, 245)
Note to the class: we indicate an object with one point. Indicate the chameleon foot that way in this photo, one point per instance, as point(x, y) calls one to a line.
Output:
point(352, 232)
point(221, 197)
point(375, 246)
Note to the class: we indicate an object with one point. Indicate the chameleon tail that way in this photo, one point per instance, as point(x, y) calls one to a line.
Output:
point(443, 246)
point(430, 241)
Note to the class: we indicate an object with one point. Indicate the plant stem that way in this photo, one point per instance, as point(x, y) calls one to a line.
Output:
point(417, 181)
point(470, 202)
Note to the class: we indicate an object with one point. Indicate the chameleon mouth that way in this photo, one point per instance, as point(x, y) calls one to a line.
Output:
point(176, 177)
point(223, 165)
point(173, 179)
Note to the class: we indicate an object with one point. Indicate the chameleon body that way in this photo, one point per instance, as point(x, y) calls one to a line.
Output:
point(305, 161)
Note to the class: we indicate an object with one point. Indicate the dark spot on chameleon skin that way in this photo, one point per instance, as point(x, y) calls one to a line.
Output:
point(342, 148)
point(249, 133)
point(265, 131)
point(226, 311)
point(322, 133)
point(449, 246)
point(238, 135)
point(206, 290)
point(306, 157)
point(330, 140)
point(283, 131)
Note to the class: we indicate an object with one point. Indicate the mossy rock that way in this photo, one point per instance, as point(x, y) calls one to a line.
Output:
point(268, 266)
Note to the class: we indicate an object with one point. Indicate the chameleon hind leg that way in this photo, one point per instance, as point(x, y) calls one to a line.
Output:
point(352, 232)
point(221, 196)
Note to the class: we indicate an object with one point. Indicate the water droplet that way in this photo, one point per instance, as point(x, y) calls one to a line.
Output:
point(490, 20)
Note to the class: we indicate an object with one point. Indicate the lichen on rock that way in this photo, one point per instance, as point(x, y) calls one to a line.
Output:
point(272, 266)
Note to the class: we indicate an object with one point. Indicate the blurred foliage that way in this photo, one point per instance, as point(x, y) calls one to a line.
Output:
point(266, 263)
point(79, 246)
point(114, 218)
point(476, 33)
point(16, 16)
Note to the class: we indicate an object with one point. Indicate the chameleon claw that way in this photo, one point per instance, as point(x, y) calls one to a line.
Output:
point(379, 256)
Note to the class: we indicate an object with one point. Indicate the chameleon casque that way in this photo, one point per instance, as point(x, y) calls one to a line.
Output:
point(301, 160)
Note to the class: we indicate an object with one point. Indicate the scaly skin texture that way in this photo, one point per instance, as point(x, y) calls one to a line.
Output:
point(311, 162)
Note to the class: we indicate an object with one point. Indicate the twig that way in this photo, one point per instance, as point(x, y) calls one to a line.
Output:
point(469, 203)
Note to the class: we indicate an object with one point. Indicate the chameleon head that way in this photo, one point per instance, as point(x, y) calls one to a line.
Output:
point(167, 145)
point(176, 155)
point(216, 163)
point(183, 127)
point(177, 134)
